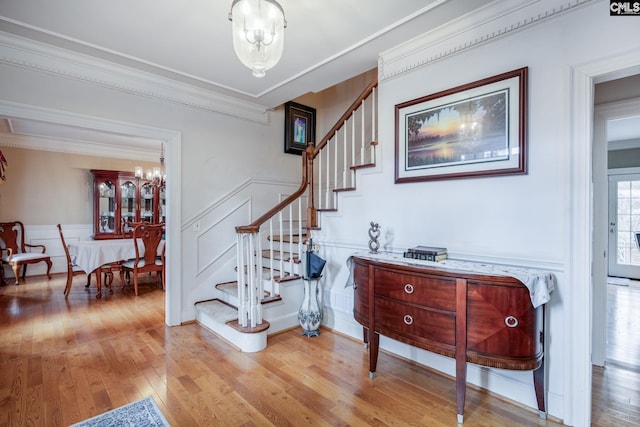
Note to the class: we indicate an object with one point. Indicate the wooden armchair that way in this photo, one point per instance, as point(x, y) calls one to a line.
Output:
point(16, 253)
point(148, 237)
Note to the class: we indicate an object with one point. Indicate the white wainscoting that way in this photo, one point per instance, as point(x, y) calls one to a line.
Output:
point(48, 235)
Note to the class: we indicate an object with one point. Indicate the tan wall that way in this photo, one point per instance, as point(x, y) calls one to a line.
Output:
point(45, 188)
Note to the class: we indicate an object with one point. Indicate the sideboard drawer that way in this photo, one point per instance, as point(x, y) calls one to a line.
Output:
point(430, 291)
point(416, 323)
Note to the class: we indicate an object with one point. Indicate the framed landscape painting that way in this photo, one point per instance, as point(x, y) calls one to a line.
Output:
point(477, 129)
point(299, 127)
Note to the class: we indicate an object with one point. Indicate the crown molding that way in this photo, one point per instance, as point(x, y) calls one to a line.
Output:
point(482, 26)
point(30, 142)
point(21, 52)
point(77, 147)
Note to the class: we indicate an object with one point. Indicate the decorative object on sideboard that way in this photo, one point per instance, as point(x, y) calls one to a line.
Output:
point(299, 127)
point(426, 253)
point(258, 33)
point(374, 233)
point(477, 129)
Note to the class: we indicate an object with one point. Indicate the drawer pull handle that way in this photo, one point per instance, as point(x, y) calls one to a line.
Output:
point(408, 288)
point(408, 319)
point(511, 321)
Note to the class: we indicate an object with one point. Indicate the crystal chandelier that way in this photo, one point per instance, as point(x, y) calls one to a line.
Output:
point(258, 33)
point(156, 176)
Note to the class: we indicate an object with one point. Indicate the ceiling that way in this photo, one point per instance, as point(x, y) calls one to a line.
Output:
point(326, 42)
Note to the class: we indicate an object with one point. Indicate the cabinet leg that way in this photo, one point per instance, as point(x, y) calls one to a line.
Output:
point(365, 337)
point(373, 353)
point(461, 346)
point(538, 384)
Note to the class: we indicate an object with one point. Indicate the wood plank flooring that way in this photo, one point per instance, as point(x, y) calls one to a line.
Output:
point(62, 361)
point(623, 325)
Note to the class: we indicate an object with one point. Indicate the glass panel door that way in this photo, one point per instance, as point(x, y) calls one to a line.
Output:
point(624, 223)
point(146, 202)
point(106, 207)
point(129, 202)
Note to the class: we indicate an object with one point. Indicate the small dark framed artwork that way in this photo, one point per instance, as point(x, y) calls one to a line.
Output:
point(299, 127)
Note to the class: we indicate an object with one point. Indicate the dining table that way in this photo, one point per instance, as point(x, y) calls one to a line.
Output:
point(90, 255)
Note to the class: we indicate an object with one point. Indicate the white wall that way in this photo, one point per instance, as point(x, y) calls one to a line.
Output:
point(522, 220)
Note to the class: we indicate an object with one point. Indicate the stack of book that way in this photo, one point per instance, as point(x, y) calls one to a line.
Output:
point(426, 253)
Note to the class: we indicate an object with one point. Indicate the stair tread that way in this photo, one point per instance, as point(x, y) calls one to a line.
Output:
point(218, 310)
point(286, 238)
point(277, 256)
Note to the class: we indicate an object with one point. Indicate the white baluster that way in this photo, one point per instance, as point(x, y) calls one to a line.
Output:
point(320, 179)
point(281, 244)
point(328, 189)
point(362, 144)
point(271, 266)
point(259, 288)
point(373, 124)
point(344, 155)
point(353, 149)
point(299, 229)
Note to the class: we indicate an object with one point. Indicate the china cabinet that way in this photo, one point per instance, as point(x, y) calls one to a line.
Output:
point(120, 197)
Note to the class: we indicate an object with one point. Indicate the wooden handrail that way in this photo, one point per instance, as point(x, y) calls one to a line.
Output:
point(307, 169)
point(365, 93)
point(254, 227)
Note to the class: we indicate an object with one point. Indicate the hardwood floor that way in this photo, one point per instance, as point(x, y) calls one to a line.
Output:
point(62, 361)
point(623, 325)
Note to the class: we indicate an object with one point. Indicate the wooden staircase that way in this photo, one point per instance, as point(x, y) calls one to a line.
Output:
point(267, 294)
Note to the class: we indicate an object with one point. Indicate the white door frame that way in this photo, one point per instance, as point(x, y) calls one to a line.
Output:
point(577, 313)
point(602, 114)
point(173, 139)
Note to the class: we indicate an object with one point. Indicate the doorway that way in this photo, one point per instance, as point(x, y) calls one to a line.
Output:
point(173, 139)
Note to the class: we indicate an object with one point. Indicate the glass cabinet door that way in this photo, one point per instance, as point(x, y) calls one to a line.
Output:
point(129, 205)
point(106, 207)
point(146, 202)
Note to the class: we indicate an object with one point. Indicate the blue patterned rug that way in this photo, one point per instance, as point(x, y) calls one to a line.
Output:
point(144, 412)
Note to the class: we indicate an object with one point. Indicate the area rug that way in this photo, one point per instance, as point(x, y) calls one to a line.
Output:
point(144, 412)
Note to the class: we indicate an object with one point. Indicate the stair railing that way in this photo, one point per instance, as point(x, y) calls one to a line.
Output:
point(285, 227)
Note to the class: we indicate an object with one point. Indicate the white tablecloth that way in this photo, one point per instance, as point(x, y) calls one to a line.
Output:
point(540, 283)
point(91, 254)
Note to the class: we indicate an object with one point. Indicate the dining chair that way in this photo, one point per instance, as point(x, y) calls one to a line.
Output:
point(129, 226)
point(72, 268)
point(146, 239)
point(16, 252)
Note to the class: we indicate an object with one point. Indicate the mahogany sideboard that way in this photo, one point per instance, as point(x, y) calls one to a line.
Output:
point(471, 316)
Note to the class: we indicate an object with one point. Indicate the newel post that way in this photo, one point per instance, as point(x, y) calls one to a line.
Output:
point(312, 212)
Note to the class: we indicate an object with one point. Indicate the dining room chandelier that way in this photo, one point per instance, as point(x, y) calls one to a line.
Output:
point(258, 33)
point(157, 175)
